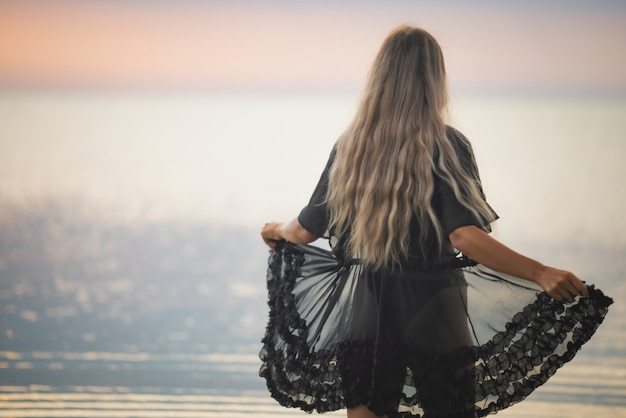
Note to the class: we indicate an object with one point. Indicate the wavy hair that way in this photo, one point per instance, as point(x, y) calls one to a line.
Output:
point(384, 170)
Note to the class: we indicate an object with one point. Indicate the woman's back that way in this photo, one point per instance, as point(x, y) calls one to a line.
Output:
point(389, 323)
point(388, 162)
point(424, 249)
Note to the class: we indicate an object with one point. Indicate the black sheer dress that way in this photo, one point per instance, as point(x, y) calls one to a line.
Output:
point(446, 338)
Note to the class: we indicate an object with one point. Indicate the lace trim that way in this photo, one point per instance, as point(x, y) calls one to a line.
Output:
point(497, 374)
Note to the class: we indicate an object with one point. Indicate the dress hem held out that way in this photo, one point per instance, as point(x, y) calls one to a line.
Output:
point(467, 342)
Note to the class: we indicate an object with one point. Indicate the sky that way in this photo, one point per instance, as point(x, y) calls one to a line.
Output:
point(278, 45)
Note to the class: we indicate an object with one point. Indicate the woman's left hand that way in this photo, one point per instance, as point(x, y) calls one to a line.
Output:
point(271, 233)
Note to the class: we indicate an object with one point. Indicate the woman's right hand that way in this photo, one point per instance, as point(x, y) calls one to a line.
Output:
point(478, 245)
point(560, 284)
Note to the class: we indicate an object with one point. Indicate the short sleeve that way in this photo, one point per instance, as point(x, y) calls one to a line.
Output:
point(314, 217)
point(453, 214)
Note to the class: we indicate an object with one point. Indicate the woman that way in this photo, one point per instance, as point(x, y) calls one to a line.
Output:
point(382, 325)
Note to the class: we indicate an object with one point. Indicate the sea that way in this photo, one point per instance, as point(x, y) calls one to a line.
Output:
point(132, 273)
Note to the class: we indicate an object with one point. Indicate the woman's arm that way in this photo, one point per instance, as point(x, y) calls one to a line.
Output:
point(479, 246)
point(291, 231)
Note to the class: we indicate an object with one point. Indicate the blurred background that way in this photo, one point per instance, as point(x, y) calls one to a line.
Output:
point(144, 143)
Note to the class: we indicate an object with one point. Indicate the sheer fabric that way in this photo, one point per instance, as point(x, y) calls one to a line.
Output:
point(444, 338)
point(447, 342)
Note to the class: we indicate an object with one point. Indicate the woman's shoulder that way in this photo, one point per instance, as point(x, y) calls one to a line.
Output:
point(461, 144)
point(457, 138)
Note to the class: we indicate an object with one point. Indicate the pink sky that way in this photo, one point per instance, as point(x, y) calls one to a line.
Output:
point(327, 45)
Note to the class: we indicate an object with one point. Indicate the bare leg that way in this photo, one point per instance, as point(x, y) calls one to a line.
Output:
point(361, 411)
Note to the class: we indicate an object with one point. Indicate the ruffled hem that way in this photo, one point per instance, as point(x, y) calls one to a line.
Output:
point(305, 368)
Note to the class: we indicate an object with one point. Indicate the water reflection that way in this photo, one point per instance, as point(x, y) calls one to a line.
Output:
point(77, 284)
point(101, 316)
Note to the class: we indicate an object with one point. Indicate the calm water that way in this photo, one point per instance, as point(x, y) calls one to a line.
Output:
point(582, 389)
point(550, 167)
point(132, 275)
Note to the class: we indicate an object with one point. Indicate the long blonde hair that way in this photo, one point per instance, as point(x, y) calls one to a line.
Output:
point(383, 173)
